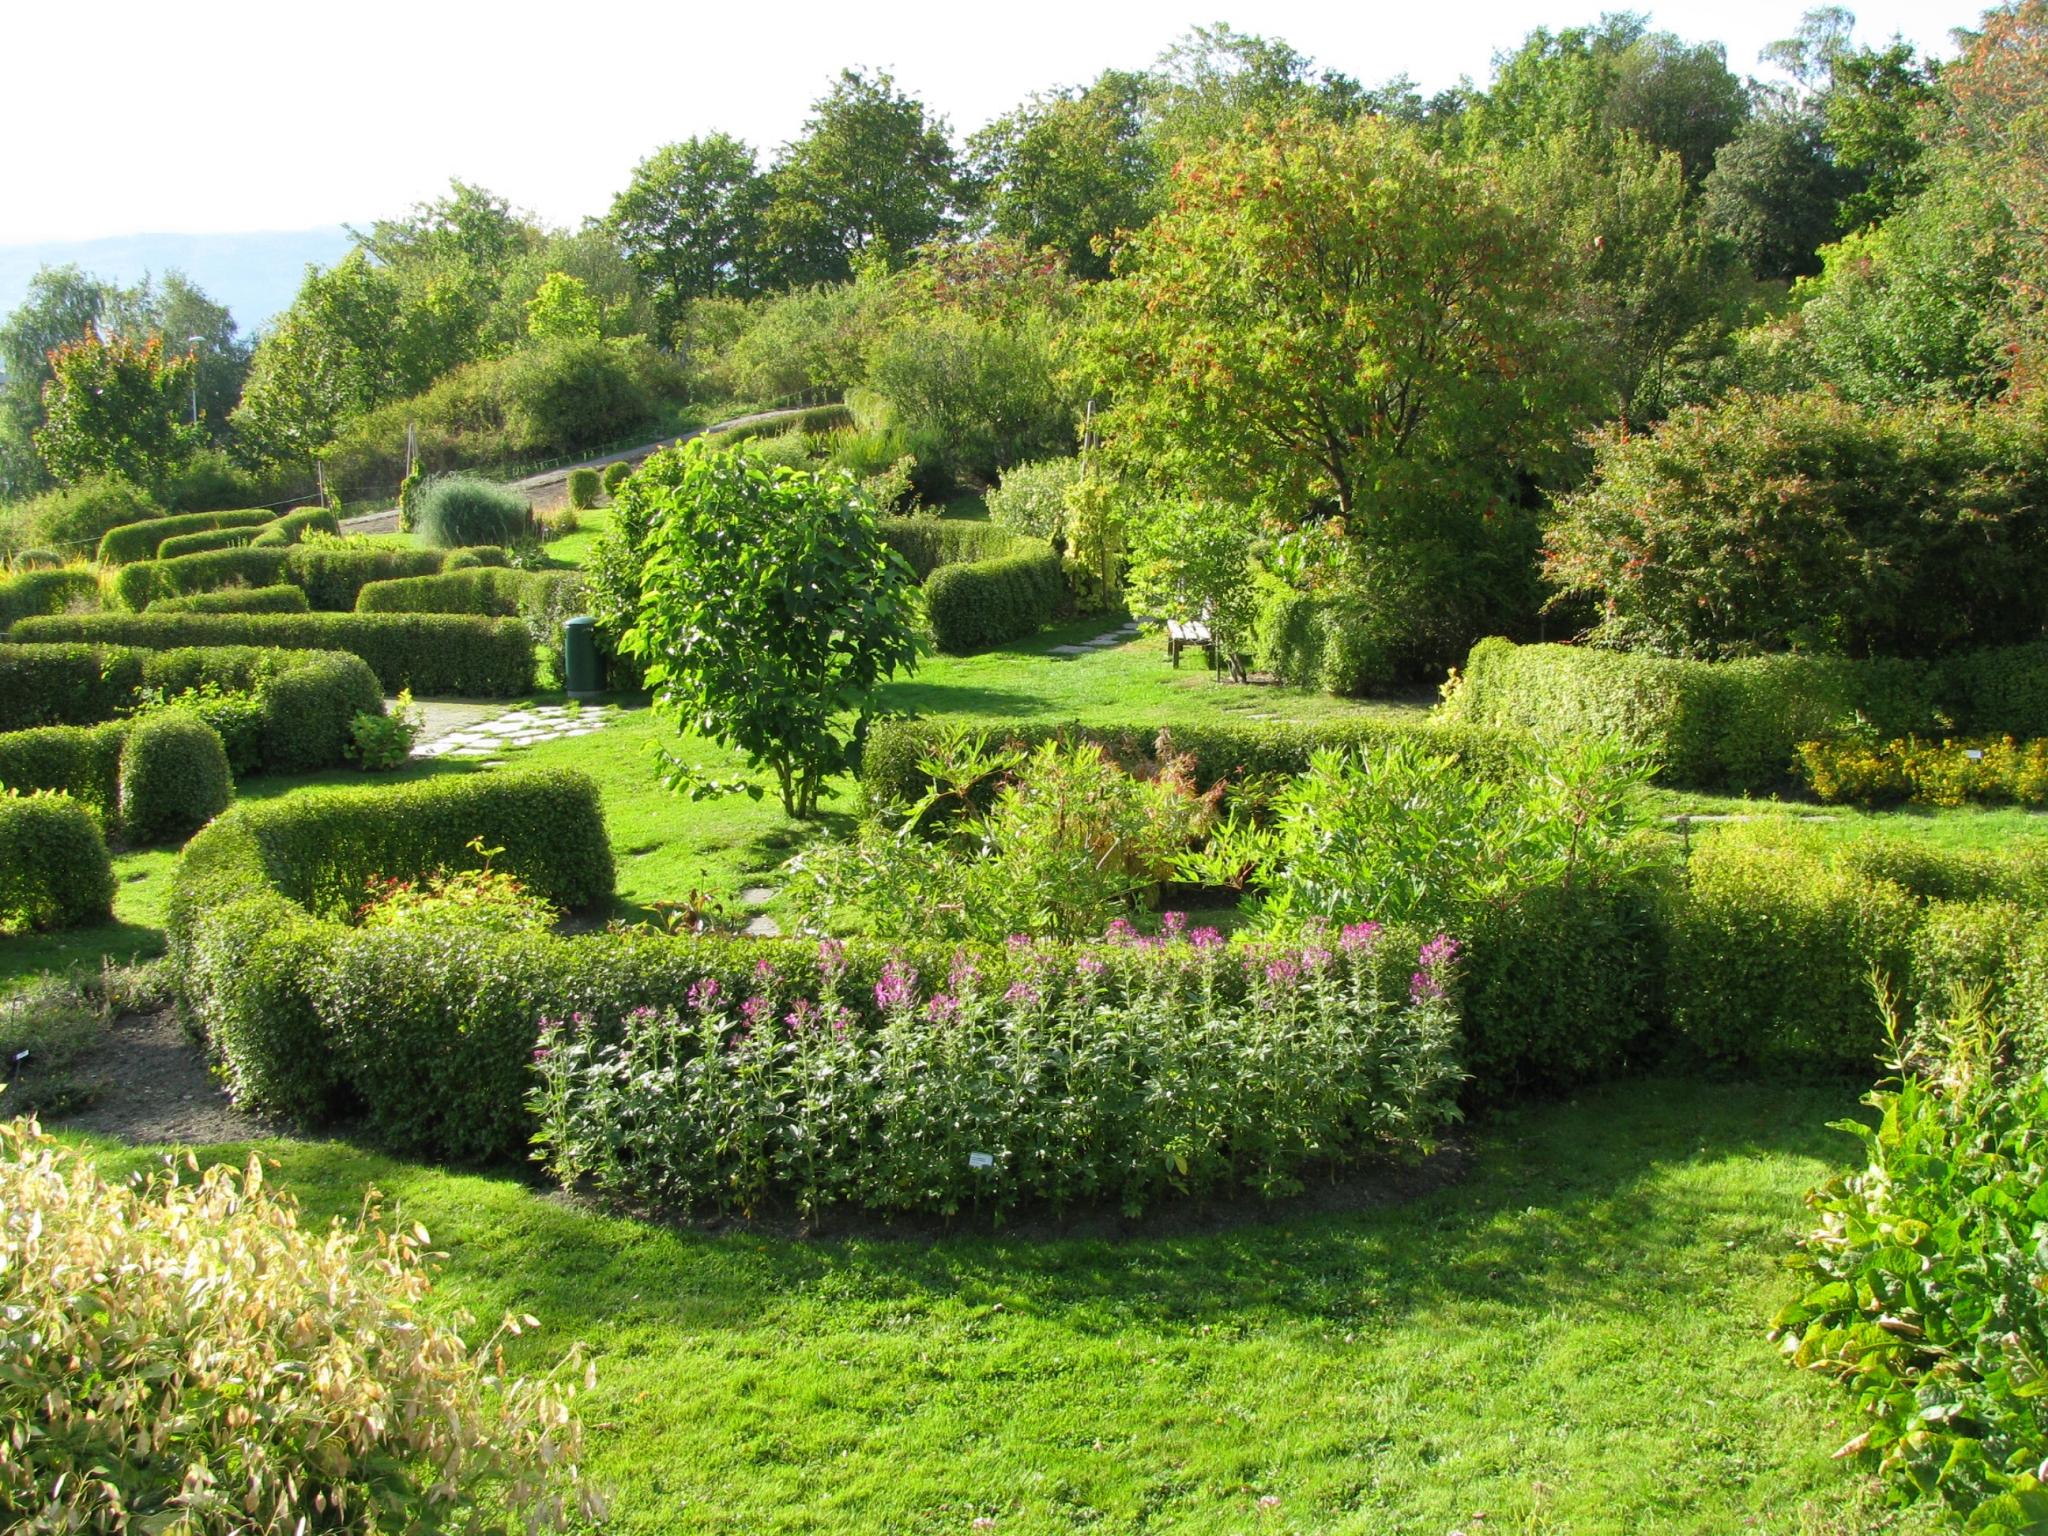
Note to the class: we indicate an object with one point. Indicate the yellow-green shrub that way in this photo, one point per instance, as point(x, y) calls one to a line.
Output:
point(185, 1356)
point(1944, 772)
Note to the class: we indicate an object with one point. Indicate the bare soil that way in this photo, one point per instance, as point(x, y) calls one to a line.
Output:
point(154, 1088)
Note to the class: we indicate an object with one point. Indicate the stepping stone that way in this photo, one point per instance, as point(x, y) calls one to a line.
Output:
point(757, 895)
point(1102, 642)
point(763, 926)
point(1068, 650)
point(582, 730)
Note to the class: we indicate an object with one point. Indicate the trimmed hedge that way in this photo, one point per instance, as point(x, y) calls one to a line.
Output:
point(986, 602)
point(492, 592)
point(136, 586)
point(204, 543)
point(430, 653)
point(332, 575)
point(1738, 724)
point(82, 761)
point(931, 543)
point(30, 594)
point(889, 773)
point(143, 541)
point(174, 776)
point(295, 525)
point(1781, 929)
point(282, 598)
point(583, 486)
point(65, 684)
point(305, 700)
point(55, 871)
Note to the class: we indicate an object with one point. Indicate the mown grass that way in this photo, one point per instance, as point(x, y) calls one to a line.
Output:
point(1569, 1339)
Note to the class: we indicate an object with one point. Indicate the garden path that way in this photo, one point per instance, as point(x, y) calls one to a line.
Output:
point(472, 731)
point(1122, 635)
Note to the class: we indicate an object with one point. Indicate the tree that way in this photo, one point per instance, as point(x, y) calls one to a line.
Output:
point(1775, 188)
point(178, 310)
point(1193, 560)
point(1214, 84)
point(872, 177)
point(690, 223)
point(771, 612)
point(1616, 78)
point(62, 305)
point(116, 407)
point(1333, 320)
point(1068, 170)
point(344, 347)
point(450, 258)
point(594, 259)
point(563, 310)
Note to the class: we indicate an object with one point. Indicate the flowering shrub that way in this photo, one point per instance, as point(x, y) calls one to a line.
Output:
point(181, 1355)
point(1862, 772)
point(1146, 1067)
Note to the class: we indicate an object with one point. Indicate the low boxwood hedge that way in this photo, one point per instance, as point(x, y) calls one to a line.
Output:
point(430, 653)
point(492, 592)
point(29, 594)
point(55, 871)
point(986, 602)
point(82, 761)
point(282, 598)
point(890, 776)
point(1738, 724)
point(295, 525)
point(142, 541)
point(66, 683)
point(333, 574)
point(136, 586)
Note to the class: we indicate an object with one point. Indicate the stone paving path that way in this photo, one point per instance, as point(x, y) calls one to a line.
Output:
point(1121, 636)
point(508, 732)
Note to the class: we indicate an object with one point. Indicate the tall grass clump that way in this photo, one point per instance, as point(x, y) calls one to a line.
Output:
point(456, 510)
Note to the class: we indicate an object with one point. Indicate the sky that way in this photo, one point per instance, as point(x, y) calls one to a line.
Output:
point(227, 115)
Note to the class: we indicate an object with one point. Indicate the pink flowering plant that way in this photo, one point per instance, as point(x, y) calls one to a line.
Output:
point(1036, 1074)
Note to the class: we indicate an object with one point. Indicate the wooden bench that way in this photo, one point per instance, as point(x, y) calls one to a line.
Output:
point(1185, 632)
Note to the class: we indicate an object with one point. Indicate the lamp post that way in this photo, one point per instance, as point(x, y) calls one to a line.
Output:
point(193, 341)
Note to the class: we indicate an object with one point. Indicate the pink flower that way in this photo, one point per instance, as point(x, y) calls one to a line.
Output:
point(942, 1009)
point(1021, 992)
point(800, 1018)
point(963, 974)
point(764, 970)
point(541, 1053)
point(1121, 932)
point(1357, 936)
point(1206, 938)
point(1435, 960)
point(702, 994)
point(1283, 970)
point(1020, 941)
point(753, 1008)
point(1173, 924)
point(896, 988)
point(1089, 966)
point(831, 958)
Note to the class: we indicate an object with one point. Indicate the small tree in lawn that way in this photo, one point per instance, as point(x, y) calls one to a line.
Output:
point(1193, 560)
point(771, 612)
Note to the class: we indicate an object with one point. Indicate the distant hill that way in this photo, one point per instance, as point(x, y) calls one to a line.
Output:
point(255, 275)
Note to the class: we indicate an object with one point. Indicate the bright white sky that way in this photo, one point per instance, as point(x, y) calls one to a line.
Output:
point(131, 116)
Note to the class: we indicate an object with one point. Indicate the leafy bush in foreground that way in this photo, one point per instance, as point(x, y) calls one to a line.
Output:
point(1922, 1292)
point(304, 1385)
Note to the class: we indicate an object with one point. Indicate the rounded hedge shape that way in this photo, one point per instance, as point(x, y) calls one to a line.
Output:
point(31, 593)
point(82, 761)
point(615, 475)
point(458, 510)
point(485, 590)
point(144, 540)
point(308, 1380)
point(174, 776)
point(203, 543)
point(584, 484)
point(54, 868)
point(986, 602)
point(332, 574)
point(37, 560)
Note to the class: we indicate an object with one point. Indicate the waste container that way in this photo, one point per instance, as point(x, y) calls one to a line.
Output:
point(582, 679)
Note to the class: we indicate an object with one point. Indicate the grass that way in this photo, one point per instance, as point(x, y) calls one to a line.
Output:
point(1570, 1339)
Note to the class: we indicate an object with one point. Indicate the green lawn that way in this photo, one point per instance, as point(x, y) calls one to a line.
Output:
point(1569, 1339)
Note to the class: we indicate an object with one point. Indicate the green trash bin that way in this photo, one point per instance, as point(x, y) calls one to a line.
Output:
point(584, 680)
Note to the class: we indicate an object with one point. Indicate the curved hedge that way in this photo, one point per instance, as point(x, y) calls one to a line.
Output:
point(204, 543)
point(1738, 724)
point(282, 598)
point(304, 700)
point(82, 761)
point(332, 574)
point(985, 602)
point(295, 525)
point(30, 594)
point(932, 543)
point(66, 683)
point(492, 592)
point(55, 871)
point(136, 586)
point(142, 541)
point(430, 653)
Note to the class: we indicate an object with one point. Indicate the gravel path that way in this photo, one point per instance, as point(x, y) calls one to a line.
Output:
point(155, 1088)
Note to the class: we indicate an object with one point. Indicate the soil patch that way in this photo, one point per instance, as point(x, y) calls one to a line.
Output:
point(153, 1087)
